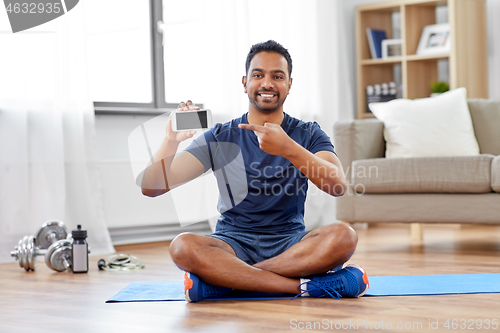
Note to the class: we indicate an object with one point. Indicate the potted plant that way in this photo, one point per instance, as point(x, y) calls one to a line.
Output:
point(438, 87)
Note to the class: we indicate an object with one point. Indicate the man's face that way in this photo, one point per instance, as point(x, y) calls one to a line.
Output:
point(267, 82)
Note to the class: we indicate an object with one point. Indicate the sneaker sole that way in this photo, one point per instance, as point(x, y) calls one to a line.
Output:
point(188, 285)
point(365, 278)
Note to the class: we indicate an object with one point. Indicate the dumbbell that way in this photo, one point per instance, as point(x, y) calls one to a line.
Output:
point(26, 253)
point(30, 247)
point(58, 256)
point(49, 233)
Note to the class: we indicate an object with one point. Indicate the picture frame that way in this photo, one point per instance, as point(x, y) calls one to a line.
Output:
point(392, 48)
point(435, 39)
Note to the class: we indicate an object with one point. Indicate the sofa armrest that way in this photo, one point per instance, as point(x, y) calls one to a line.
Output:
point(358, 140)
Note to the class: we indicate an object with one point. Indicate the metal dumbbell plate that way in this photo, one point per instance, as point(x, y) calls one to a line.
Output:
point(25, 253)
point(31, 253)
point(49, 233)
point(58, 256)
point(17, 253)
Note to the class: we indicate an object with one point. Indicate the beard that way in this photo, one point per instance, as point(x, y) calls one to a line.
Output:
point(263, 106)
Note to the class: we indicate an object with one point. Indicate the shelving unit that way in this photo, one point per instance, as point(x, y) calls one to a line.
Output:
point(467, 60)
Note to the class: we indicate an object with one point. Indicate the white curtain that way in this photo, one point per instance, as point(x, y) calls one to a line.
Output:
point(206, 52)
point(47, 134)
point(493, 24)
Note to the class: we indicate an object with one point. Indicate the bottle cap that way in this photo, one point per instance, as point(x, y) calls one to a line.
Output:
point(79, 233)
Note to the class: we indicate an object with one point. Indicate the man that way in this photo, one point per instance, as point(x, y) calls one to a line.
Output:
point(260, 243)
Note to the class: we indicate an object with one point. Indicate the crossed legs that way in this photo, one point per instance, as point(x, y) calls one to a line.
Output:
point(215, 262)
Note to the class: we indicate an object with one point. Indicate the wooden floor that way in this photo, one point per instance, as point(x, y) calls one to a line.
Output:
point(46, 301)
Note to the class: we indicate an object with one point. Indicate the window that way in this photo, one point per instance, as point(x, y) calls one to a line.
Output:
point(125, 55)
point(185, 48)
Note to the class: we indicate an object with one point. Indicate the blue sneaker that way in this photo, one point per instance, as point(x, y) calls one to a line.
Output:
point(337, 268)
point(196, 290)
point(352, 281)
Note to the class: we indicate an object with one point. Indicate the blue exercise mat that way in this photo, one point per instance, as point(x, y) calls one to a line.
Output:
point(150, 292)
point(379, 286)
point(413, 285)
point(174, 291)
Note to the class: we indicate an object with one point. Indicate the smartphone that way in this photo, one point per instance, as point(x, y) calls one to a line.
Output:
point(191, 120)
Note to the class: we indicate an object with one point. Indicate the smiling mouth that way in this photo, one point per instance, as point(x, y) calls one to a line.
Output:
point(266, 96)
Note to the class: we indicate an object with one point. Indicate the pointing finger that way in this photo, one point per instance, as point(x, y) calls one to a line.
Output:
point(252, 127)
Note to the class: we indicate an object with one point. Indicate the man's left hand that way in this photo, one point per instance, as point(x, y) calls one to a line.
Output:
point(272, 138)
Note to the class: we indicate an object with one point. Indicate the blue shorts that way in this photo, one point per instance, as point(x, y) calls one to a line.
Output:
point(254, 248)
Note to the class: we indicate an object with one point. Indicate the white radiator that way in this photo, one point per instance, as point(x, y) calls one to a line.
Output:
point(154, 233)
point(134, 218)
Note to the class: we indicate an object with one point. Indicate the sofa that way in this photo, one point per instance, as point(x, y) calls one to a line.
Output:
point(437, 189)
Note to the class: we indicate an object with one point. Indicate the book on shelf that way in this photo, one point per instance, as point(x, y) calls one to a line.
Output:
point(380, 93)
point(375, 38)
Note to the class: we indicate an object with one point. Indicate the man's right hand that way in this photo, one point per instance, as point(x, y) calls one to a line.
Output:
point(167, 172)
point(180, 136)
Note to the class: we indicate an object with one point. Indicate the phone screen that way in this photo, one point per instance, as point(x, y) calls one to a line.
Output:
point(190, 120)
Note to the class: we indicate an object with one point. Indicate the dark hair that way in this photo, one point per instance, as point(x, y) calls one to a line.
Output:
point(269, 46)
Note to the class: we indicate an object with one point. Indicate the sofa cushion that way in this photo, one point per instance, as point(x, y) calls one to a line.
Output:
point(436, 126)
point(452, 174)
point(486, 120)
point(495, 174)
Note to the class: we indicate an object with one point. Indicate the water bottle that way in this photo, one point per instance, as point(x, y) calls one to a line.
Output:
point(80, 251)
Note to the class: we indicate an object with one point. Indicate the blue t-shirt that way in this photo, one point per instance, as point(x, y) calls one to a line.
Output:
point(258, 192)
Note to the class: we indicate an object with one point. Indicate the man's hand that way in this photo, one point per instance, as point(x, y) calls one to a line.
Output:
point(180, 136)
point(166, 173)
point(272, 138)
point(323, 169)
